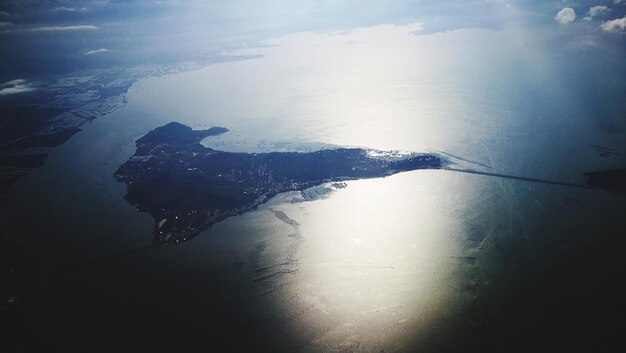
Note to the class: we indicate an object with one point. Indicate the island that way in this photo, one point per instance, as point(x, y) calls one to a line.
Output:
point(187, 187)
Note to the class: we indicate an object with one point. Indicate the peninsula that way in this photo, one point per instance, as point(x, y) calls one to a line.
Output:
point(187, 187)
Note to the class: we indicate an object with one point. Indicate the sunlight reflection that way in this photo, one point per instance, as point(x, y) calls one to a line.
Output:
point(378, 259)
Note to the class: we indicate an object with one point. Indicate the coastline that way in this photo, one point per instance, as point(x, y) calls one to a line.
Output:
point(59, 109)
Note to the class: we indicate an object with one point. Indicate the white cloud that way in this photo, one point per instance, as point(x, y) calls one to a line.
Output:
point(617, 2)
point(70, 9)
point(5, 24)
point(4, 14)
point(598, 10)
point(55, 29)
point(15, 90)
point(565, 16)
point(19, 81)
point(15, 87)
point(97, 51)
point(617, 25)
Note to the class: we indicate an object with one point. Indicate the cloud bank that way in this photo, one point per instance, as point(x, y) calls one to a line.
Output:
point(55, 29)
point(70, 9)
point(15, 87)
point(617, 25)
point(565, 16)
point(62, 28)
point(97, 51)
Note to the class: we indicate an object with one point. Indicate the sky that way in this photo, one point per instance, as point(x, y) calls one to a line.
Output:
point(39, 38)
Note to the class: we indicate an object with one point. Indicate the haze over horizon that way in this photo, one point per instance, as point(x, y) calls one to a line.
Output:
point(41, 37)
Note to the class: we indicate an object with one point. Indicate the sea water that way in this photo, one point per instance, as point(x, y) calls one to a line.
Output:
point(423, 259)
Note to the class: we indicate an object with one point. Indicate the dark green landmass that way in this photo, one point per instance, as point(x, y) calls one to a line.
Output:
point(614, 179)
point(187, 187)
point(21, 148)
point(32, 123)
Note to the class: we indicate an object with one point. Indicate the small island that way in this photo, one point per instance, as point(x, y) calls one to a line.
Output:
point(187, 187)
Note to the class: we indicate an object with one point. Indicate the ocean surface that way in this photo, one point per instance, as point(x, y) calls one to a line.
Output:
point(429, 259)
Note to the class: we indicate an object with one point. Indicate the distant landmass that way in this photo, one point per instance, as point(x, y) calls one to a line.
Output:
point(57, 107)
point(187, 187)
point(614, 179)
point(34, 122)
